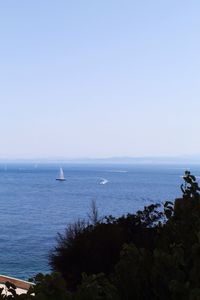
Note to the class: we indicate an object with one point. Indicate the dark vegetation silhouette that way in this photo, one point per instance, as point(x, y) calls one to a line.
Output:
point(153, 254)
point(95, 248)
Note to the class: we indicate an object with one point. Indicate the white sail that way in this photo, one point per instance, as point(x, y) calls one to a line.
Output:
point(61, 175)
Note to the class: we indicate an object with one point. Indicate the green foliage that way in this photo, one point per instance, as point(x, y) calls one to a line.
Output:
point(96, 248)
point(168, 209)
point(50, 287)
point(191, 188)
point(149, 216)
point(96, 287)
point(132, 272)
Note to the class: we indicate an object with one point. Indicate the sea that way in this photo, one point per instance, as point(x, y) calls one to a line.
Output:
point(34, 207)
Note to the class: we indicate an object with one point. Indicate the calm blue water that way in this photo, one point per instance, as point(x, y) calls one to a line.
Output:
point(34, 206)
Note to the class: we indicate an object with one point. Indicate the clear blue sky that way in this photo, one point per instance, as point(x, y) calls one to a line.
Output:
point(92, 78)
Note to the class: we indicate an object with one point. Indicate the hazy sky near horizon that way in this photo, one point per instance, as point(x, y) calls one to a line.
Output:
point(89, 78)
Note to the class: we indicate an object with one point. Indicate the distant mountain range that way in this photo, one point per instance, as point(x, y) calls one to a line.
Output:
point(141, 160)
point(187, 159)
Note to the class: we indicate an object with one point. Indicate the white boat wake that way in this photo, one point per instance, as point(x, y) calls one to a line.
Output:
point(103, 181)
point(118, 171)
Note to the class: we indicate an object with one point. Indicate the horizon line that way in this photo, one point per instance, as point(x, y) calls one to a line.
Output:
point(110, 158)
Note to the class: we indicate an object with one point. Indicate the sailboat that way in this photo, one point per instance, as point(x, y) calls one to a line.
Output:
point(61, 176)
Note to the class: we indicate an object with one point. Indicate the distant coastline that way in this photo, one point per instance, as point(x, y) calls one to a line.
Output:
point(188, 159)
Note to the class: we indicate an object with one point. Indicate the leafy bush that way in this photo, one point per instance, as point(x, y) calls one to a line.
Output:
point(96, 248)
